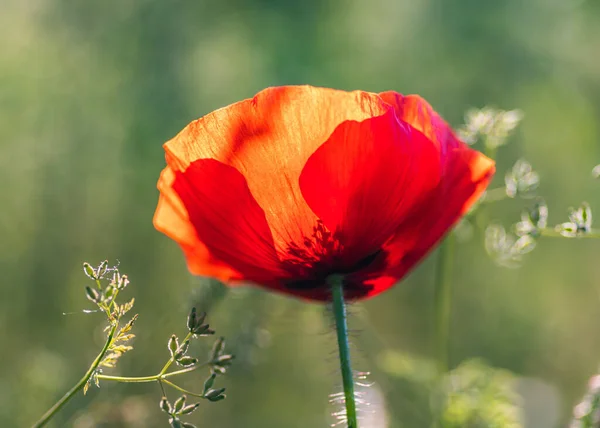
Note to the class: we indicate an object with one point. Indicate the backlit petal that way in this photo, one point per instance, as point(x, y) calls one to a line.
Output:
point(428, 224)
point(172, 219)
point(417, 112)
point(367, 178)
point(466, 174)
point(227, 219)
point(268, 139)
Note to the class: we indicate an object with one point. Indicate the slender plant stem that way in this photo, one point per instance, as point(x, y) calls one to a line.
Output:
point(443, 295)
point(339, 311)
point(79, 385)
point(494, 195)
point(154, 378)
point(442, 301)
point(125, 379)
point(551, 233)
point(186, 370)
point(185, 391)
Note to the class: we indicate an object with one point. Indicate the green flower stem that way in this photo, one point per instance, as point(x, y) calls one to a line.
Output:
point(442, 302)
point(339, 311)
point(551, 233)
point(443, 295)
point(79, 385)
point(172, 359)
point(157, 378)
point(185, 391)
point(154, 378)
point(490, 150)
point(494, 195)
point(126, 379)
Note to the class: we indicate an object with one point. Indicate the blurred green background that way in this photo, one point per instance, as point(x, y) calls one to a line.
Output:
point(90, 90)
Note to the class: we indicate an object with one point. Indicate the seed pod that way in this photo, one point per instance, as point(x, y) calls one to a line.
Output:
point(189, 409)
point(179, 403)
point(164, 405)
point(173, 344)
point(89, 271)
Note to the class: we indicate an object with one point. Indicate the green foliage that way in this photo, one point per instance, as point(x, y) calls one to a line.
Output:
point(472, 395)
point(105, 298)
point(479, 396)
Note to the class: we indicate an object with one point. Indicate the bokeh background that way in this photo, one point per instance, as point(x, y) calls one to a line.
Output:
point(90, 90)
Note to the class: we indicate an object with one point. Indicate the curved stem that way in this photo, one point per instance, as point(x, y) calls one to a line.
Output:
point(185, 391)
point(79, 385)
point(551, 233)
point(339, 311)
point(126, 379)
point(186, 370)
point(154, 378)
point(442, 296)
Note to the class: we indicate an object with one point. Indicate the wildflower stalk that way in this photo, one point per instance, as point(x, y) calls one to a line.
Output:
point(79, 385)
point(494, 195)
point(442, 302)
point(553, 233)
point(154, 378)
point(105, 297)
point(339, 311)
point(443, 294)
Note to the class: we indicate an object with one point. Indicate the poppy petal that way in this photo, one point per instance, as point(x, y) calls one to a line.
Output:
point(426, 226)
point(366, 178)
point(455, 154)
point(172, 219)
point(227, 220)
point(268, 139)
point(417, 112)
point(466, 174)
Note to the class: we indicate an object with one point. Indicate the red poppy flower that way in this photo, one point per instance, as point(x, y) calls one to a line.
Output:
point(299, 183)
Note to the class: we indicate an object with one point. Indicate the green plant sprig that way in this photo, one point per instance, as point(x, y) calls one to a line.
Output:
point(117, 343)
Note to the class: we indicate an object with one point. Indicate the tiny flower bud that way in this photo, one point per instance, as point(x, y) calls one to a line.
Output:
point(89, 271)
point(224, 360)
point(568, 229)
point(217, 369)
point(215, 394)
point(200, 318)
point(217, 348)
point(203, 330)
point(102, 268)
point(184, 347)
point(186, 361)
point(92, 294)
point(115, 278)
point(110, 291)
point(189, 409)
point(164, 405)
point(191, 320)
point(208, 383)
point(173, 344)
point(179, 403)
point(123, 282)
